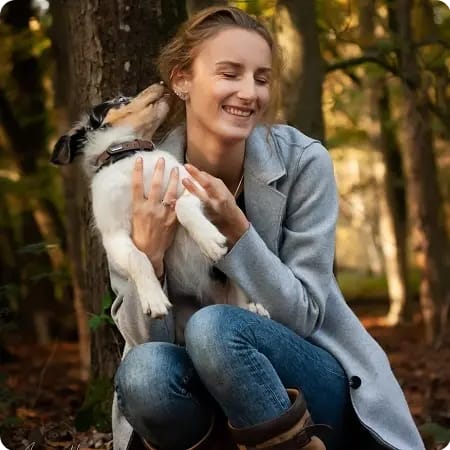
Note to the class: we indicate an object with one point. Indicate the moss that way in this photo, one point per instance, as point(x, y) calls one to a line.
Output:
point(96, 408)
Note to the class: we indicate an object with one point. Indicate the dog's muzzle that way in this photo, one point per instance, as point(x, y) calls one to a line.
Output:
point(116, 152)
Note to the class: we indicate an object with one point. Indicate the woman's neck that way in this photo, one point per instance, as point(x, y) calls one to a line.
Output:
point(219, 158)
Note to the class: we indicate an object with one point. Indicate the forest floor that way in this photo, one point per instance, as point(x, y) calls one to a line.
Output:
point(40, 391)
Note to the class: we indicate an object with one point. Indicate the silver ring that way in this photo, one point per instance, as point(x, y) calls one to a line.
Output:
point(166, 204)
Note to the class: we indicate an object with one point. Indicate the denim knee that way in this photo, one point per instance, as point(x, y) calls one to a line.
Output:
point(158, 391)
point(143, 380)
point(211, 335)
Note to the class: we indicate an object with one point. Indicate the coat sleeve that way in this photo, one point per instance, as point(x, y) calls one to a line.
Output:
point(294, 286)
point(126, 312)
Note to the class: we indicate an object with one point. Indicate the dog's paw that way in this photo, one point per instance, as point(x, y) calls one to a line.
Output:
point(156, 309)
point(259, 309)
point(211, 241)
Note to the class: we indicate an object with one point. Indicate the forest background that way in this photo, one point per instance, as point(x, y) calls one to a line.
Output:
point(370, 78)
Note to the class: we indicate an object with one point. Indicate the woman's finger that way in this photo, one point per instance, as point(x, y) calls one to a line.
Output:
point(137, 181)
point(202, 178)
point(154, 193)
point(171, 193)
point(195, 189)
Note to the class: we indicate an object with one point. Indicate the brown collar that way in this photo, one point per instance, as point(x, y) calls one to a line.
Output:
point(116, 152)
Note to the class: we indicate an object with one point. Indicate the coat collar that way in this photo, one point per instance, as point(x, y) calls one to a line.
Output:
point(263, 166)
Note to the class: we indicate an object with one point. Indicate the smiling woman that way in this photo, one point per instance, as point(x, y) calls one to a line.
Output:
point(310, 377)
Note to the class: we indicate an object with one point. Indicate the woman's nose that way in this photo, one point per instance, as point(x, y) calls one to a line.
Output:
point(247, 88)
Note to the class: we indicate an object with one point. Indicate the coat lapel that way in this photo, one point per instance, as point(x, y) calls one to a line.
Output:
point(263, 166)
point(264, 204)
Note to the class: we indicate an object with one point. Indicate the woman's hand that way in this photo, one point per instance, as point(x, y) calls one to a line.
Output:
point(219, 203)
point(153, 223)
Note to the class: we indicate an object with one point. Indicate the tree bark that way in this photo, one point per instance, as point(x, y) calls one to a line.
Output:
point(109, 49)
point(72, 183)
point(302, 79)
point(423, 182)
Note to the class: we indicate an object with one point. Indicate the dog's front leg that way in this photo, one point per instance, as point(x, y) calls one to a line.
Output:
point(189, 212)
point(123, 253)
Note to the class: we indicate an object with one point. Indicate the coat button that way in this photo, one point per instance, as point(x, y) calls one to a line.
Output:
point(355, 382)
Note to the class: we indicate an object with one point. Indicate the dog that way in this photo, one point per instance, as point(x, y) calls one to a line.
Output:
point(108, 153)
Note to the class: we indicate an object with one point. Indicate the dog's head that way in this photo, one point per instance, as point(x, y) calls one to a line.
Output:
point(150, 107)
point(72, 144)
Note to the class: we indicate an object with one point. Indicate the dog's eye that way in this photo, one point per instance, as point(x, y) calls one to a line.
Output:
point(123, 100)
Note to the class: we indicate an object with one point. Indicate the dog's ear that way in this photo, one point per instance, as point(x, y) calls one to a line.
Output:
point(69, 146)
point(62, 153)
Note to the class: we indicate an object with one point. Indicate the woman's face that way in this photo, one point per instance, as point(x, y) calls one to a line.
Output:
point(229, 84)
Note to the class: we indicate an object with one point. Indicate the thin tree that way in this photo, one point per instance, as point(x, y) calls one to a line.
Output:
point(428, 207)
point(391, 191)
point(303, 74)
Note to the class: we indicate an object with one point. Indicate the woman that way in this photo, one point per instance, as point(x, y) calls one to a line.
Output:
point(271, 191)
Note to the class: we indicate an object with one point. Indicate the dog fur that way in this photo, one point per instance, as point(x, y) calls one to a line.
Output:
point(197, 242)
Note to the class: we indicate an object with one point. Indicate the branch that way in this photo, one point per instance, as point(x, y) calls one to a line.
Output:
point(440, 113)
point(347, 63)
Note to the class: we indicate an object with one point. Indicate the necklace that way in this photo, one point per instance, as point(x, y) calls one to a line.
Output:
point(240, 181)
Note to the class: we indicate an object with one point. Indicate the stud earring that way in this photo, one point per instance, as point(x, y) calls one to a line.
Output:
point(182, 95)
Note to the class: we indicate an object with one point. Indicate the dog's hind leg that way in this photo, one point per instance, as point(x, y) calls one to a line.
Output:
point(125, 256)
point(190, 215)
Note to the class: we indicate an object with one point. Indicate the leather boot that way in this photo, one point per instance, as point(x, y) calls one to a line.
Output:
point(203, 444)
point(293, 430)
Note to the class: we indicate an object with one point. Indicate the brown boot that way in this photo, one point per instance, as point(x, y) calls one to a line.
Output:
point(205, 443)
point(293, 430)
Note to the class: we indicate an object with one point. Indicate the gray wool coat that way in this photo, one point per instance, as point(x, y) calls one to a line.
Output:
point(284, 261)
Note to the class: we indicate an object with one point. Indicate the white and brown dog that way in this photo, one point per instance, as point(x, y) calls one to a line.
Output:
point(109, 151)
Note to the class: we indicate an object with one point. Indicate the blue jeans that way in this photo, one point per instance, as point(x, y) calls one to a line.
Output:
point(233, 360)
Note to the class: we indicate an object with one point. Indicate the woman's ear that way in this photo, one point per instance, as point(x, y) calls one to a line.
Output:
point(180, 84)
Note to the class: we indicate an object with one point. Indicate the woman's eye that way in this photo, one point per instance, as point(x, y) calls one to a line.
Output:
point(262, 81)
point(229, 75)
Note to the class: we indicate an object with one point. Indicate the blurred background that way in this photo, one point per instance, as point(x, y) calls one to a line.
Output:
point(370, 78)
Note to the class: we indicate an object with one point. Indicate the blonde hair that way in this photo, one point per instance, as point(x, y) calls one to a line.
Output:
point(182, 49)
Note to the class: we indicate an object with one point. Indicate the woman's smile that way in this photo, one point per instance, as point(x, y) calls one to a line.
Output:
point(238, 111)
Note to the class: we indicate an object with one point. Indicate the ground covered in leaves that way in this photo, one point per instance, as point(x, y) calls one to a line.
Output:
point(40, 391)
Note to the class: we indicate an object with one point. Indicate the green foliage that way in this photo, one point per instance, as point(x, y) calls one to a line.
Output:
point(96, 408)
point(258, 8)
point(360, 287)
point(36, 248)
point(344, 136)
point(104, 317)
point(440, 434)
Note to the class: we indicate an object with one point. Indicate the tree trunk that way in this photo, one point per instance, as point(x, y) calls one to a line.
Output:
point(423, 182)
point(394, 221)
point(302, 79)
point(72, 185)
point(109, 49)
point(391, 194)
point(24, 120)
